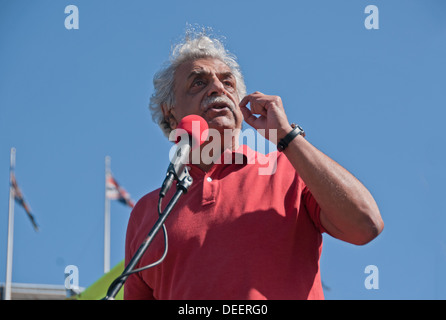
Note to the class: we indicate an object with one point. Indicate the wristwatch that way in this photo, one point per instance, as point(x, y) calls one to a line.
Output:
point(283, 143)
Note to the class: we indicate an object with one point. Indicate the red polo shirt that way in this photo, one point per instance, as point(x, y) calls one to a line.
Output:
point(235, 235)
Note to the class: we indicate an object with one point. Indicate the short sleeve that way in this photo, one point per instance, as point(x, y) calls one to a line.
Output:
point(313, 209)
point(135, 288)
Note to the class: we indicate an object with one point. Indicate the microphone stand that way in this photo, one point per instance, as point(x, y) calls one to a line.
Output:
point(182, 187)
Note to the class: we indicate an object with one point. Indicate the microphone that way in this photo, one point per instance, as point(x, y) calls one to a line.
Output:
point(188, 136)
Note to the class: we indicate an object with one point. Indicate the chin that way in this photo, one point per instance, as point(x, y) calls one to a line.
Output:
point(222, 126)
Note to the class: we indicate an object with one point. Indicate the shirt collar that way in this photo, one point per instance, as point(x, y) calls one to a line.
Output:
point(241, 156)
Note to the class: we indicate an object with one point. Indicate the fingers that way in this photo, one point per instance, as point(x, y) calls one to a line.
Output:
point(251, 97)
point(248, 116)
point(258, 103)
point(264, 112)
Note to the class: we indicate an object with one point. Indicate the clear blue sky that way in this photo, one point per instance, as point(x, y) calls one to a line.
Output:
point(373, 100)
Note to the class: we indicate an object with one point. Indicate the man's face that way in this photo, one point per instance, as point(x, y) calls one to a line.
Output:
point(207, 87)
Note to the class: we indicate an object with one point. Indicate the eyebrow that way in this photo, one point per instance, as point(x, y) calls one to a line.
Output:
point(195, 73)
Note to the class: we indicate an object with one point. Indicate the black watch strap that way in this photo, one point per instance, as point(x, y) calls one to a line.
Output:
point(283, 143)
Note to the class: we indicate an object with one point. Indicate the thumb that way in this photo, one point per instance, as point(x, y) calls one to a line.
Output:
point(248, 116)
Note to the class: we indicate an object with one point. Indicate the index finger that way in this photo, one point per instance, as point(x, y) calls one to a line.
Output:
point(244, 101)
point(248, 98)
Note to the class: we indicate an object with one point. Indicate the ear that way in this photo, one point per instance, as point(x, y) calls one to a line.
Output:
point(169, 116)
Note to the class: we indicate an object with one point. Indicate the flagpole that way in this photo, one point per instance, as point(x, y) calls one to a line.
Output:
point(8, 280)
point(107, 219)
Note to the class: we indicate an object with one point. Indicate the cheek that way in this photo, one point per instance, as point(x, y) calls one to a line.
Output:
point(237, 105)
point(238, 116)
point(185, 107)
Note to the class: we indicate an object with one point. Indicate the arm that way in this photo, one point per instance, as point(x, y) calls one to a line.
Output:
point(348, 210)
point(135, 288)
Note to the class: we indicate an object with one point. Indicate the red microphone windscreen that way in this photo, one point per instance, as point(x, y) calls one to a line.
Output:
point(194, 126)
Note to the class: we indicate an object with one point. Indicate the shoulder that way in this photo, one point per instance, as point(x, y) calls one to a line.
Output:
point(147, 202)
point(144, 211)
point(273, 164)
point(147, 199)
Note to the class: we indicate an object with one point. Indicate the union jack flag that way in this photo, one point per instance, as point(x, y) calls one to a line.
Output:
point(18, 197)
point(114, 191)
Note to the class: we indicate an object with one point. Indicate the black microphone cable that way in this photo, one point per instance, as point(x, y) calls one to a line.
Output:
point(166, 248)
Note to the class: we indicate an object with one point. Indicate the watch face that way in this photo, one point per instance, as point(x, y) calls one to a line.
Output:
point(283, 143)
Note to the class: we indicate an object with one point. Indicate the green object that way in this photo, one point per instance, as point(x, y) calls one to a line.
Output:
point(98, 290)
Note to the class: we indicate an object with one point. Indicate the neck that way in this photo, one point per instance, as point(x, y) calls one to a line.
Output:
point(211, 151)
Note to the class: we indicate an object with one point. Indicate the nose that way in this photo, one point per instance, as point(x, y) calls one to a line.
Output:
point(216, 87)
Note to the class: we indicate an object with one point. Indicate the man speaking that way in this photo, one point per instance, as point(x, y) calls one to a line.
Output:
point(238, 234)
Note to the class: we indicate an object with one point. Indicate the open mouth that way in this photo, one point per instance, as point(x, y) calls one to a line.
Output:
point(219, 106)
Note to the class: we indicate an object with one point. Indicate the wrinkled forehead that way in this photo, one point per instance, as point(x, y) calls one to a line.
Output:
point(202, 66)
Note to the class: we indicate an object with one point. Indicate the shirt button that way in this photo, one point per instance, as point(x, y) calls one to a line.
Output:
point(209, 179)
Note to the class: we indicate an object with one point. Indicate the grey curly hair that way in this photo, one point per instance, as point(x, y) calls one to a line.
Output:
point(194, 46)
